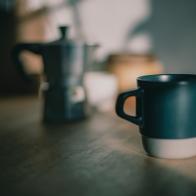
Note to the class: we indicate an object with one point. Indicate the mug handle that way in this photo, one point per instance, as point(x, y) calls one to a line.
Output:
point(17, 50)
point(120, 103)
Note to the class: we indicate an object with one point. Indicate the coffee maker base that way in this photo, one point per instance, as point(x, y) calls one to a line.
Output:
point(65, 116)
point(49, 120)
point(170, 148)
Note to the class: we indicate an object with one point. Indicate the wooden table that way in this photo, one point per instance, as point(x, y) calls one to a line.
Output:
point(101, 156)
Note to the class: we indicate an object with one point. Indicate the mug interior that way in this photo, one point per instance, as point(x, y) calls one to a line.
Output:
point(165, 78)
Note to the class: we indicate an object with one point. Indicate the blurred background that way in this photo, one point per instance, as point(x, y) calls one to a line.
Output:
point(134, 37)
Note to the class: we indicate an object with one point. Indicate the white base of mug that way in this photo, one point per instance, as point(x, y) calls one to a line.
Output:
point(170, 148)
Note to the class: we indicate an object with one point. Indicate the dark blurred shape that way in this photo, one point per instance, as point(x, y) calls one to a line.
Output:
point(172, 28)
point(64, 67)
point(7, 5)
point(10, 80)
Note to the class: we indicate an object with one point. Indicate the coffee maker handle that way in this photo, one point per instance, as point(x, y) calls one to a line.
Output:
point(120, 106)
point(17, 50)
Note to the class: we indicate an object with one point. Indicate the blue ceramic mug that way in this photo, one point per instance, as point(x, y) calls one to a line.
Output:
point(165, 114)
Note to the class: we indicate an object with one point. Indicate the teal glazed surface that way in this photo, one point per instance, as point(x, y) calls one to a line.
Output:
point(166, 106)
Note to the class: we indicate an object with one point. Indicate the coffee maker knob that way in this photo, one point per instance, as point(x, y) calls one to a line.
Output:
point(63, 31)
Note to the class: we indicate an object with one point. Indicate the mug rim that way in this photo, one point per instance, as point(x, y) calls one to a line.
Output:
point(167, 78)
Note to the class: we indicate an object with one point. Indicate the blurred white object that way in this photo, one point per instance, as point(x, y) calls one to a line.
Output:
point(101, 90)
point(170, 148)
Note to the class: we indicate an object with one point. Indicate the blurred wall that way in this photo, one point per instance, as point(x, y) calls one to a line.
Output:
point(107, 22)
point(166, 28)
point(172, 29)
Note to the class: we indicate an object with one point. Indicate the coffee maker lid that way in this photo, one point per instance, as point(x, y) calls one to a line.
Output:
point(64, 37)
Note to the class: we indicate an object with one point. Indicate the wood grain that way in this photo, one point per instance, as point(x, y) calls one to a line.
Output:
point(99, 156)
